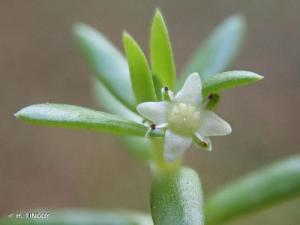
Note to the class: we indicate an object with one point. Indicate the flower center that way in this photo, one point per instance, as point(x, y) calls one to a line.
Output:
point(184, 119)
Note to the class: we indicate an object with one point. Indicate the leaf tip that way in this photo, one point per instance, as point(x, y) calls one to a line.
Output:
point(126, 36)
point(248, 75)
point(158, 18)
point(259, 77)
point(129, 42)
point(78, 28)
point(255, 76)
point(157, 13)
point(237, 20)
point(18, 114)
point(21, 114)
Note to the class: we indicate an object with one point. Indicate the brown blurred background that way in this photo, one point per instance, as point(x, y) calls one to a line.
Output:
point(55, 168)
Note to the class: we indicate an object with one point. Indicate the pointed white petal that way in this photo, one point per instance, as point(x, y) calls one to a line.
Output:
point(175, 145)
point(154, 111)
point(191, 91)
point(213, 125)
point(202, 142)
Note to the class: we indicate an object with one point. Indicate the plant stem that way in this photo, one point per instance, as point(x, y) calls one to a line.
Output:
point(159, 164)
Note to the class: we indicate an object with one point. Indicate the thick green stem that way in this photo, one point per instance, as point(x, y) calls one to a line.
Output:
point(176, 198)
point(159, 165)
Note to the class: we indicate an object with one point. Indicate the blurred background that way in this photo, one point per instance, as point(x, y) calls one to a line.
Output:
point(57, 168)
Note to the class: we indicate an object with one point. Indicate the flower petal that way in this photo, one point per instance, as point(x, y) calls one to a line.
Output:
point(191, 91)
point(213, 125)
point(202, 142)
point(175, 145)
point(154, 111)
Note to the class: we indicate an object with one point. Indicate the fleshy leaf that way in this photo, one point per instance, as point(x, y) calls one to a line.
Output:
point(110, 104)
point(141, 77)
point(158, 86)
point(81, 217)
point(229, 79)
point(106, 62)
point(218, 51)
point(70, 116)
point(162, 60)
point(258, 190)
point(176, 198)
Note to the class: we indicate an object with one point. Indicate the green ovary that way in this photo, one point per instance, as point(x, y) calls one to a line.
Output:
point(184, 119)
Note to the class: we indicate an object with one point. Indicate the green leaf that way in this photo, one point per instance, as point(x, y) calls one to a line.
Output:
point(229, 79)
point(158, 86)
point(71, 116)
point(176, 198)
point(138, 147)
point(110, 104)
point(258, 190)
point(140, 73)
point(218, 51)
point(81, 217)
point(107, 63)
point(162, 60)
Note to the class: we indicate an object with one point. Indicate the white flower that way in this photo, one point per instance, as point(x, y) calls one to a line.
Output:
point(185, 118)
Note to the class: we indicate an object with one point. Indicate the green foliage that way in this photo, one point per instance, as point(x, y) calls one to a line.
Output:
point(71, 116)
point(80, 217)
point(218, 51)
point(107, 63)
point(258, 190)
point(158, 86)
point(162, 60)
point(176, 192)
point(109, 103)
point(140, 73)
point(229, 79)
point(176, 198)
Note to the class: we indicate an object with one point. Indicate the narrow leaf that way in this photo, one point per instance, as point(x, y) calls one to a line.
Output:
point(158, 86)
point(229, 79)
point(218, 51)
point(106, 62)
point(258, 190)
point(110, 104)
point(141, 77)
point(162, 59)
point(71, 116)
point(176, 198)
point(81, 217)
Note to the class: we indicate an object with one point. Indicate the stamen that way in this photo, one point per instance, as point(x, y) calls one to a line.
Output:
point(212, 101)
point(153, 126)
point(205, 144)
point(200, 141)
point(167, 95)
